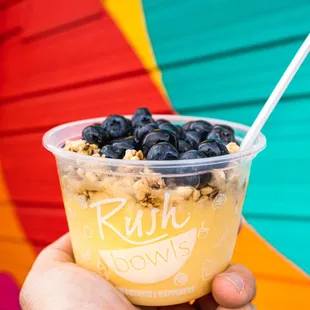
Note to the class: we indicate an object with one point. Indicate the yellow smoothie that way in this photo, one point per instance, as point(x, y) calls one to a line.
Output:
point(157, 245)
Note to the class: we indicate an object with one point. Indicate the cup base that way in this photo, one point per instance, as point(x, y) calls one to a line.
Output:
point(171, 300)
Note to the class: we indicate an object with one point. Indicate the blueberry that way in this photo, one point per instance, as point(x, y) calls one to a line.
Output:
point(141, 132)
point(187, 180)
point(201, 179)
point(94, 134)
point(127, 144)
point(183, 146)
point(222, 133)
point(162, 121)
point(117, 126)
point(187, 125)
point(163, 151)
point(142, 111)
point(193, 138)
point(200, 125)
point(142, 120)
point(212, 148)
point(156, 136)
point(180, 130)
point(111, 151)
point(192, 154)
point(169, 127)
point(226, 127)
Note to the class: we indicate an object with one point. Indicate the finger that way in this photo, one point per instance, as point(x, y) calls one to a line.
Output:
point(58, 251)
point(234, 288)
point(206, 303)
point(247, 307)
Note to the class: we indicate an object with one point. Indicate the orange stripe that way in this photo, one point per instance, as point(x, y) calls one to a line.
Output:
point(281, 296)
point(279, 281)
point(16, 258)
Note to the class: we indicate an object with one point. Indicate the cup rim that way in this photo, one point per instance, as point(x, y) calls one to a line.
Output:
point(58, 151)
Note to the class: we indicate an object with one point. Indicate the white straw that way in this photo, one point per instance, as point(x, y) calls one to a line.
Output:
point(276, 94)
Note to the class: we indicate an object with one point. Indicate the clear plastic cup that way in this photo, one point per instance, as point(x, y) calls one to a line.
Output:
point(140, 225)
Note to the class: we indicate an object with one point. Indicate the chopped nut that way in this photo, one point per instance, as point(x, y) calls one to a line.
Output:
point(91, 194)
point(196, 195)
point(141, 188)
point(129, 154)
point(206, 190)
point(133, 155)
point(156, 201)
point(81, 147)
point(209, 191)
point(140, 195)
point(214, 193)
point(183, 192)
point(140, 155)
point(73, 146)
point(233, 147)
point(156, 182)
point(91, 176)
point(219, 180)
point(81, 172)
point(73, 185)
point(141, 183)
point(96, 155)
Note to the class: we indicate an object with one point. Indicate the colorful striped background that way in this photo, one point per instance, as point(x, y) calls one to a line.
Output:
point(64, 60)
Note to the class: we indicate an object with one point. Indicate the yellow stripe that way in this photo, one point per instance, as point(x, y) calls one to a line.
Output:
point(129, 17)
point(17, 257)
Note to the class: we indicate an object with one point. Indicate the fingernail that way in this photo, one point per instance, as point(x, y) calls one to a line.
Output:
point(236, 280)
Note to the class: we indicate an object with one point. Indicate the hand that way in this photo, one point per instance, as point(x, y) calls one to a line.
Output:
point(56, 282)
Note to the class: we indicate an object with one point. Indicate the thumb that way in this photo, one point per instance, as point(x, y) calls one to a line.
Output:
point(234, 288)
point(58, 251)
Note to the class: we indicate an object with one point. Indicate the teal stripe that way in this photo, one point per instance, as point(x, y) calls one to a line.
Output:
point(239, 78)
point(183, 29)
point(222, 58)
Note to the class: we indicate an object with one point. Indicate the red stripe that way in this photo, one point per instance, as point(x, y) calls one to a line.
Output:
point(61, 78)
